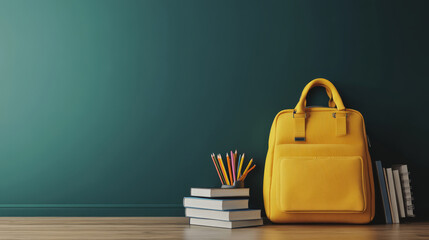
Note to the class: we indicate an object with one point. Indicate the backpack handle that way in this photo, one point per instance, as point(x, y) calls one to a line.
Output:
point(330, 89)
point(331, 103)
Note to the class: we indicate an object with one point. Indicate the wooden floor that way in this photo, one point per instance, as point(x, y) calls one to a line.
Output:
point(177, 228)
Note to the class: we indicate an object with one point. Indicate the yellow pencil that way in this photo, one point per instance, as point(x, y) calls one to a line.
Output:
point(248, 165)
point(245, 174)
point(219, 157)
point(241, 164)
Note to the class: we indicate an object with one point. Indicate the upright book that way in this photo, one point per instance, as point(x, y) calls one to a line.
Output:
point(398, 190)
point(383, 191)
point(395, 191)
point(388, 194)
point(406, 189)
point(394, 204)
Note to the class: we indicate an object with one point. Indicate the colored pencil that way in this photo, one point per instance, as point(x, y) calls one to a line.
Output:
point(235, 164)
point(223, 169)
point(248, 165)
point(219, 171)
point(233, 159)
point(245, 174)
point(235, 155)
point(240, 165)
point(228, 160)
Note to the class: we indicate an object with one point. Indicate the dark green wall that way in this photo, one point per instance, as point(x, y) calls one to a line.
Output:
point(113, 107)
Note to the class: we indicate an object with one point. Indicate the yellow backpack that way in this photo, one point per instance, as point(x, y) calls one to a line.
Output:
point(318, 168)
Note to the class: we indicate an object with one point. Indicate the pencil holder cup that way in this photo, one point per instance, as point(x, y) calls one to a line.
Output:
point(237, 184)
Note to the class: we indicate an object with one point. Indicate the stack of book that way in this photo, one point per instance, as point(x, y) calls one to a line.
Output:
point(395, 191)
point(221, 207)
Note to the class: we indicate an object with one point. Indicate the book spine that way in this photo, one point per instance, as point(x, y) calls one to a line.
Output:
point(398, 189)
point(388, 194)
point(394, 205)
point(383, 192)
point(406, 190)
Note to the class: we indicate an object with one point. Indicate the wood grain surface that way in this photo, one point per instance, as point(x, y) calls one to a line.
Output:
point(177, 228)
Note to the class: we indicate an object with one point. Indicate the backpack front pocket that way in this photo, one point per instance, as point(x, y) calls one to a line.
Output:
point(321, 184)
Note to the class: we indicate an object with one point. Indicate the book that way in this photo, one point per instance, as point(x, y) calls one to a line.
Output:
point(388, 193)
point(398, 190)
point(225, 224)
point(383, 191)
point(230, 215)
point(393, 203)
point(215, 204)
point(406, 189)
point(220, 192)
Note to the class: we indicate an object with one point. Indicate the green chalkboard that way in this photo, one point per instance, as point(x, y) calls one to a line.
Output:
point(113, 107)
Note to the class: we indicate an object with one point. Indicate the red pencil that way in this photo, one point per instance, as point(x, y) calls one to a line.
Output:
point(217, 170)
point(233, 160)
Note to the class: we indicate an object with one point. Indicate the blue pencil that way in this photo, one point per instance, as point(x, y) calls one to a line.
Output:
point(239, 165)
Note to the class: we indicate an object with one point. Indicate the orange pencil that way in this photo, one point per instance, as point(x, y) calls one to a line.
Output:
point(229, 168)
point(219, 158)
point(248, 165)
point(217, 169)
point(245, 174)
